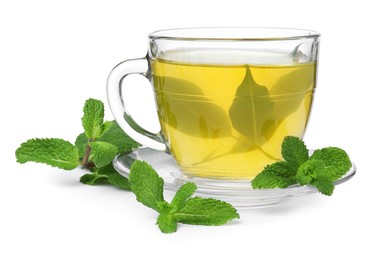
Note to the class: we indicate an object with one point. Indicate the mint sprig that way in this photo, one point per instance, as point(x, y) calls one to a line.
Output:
point(94, 149)
point(147, 185)
point(320, 170)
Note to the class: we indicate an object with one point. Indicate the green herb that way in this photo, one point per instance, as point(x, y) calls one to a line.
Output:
point(148, 188)
point(320, 170)
point(94, 149)
point(52, 151)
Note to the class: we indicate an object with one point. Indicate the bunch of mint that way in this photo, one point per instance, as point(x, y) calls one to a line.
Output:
point(320, 170)
point(96, 148)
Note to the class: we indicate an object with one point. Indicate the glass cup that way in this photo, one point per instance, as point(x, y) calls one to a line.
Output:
point(226, 97)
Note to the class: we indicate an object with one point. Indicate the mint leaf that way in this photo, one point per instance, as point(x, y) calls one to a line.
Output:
point(209, 212)
point(336, 161)
point(147, 185)
point(81, 143)
point(114, 177)
point(102, 153)
point(184, 192)
point(324, 184)
point(92, 119)
point(276, 175)
point(323, 168)
point(93, 179)
point(113, 134)
point(166, 223)
point(309, 171)
point(52, 151)
point(106, 174)
point(294, 152)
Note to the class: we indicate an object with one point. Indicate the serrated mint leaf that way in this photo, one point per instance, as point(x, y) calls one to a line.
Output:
point(114, 177)
point(93, 179)
point(52, 151)
point(324, 184)
point(147, 185)
point(209, 212)
point(323, 168)
point(166, 223)
point(113, 134)
point(276, 175)
point(81, 143)
point(93, 117)
point(309, 171)
point(294, 152)
point(336, 161)
point(102, 153)
point(184, 192)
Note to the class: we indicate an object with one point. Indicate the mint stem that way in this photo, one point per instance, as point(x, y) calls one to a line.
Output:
point(85, 160)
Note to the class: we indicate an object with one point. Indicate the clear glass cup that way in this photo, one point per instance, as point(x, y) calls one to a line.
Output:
point(226, 97)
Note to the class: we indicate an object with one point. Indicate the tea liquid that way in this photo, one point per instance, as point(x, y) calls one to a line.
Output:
point(228, 121)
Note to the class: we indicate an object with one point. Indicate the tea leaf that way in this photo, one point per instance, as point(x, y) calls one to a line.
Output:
point(252, 112)
point(257, 111)
point(290, 90)
point(183, 106)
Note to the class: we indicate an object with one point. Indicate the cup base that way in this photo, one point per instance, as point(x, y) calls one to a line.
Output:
point(237, 192)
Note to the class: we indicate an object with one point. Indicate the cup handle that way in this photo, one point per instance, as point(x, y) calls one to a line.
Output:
point(121, 114)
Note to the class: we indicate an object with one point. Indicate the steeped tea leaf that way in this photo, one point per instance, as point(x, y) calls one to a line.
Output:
point(252, 112)
point(257, 111)
point(184, 107)
point(300, 79)
point(290, 90)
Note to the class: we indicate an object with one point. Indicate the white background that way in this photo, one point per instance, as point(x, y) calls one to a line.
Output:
point(56, 54)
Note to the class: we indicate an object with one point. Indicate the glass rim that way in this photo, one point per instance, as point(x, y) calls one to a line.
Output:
point(233, 34)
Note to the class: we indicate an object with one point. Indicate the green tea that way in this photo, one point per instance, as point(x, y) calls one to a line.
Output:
point(228, 121)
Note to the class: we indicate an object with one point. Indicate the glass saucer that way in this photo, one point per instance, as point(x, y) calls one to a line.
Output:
point(237, 192)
